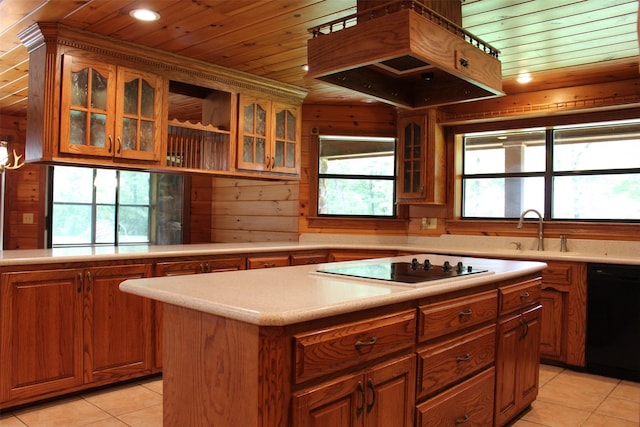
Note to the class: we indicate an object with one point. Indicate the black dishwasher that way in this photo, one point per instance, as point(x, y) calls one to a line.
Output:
point(613, 320)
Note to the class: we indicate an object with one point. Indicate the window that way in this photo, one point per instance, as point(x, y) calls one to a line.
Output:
point(356, 176)
point(587, 173)
point(112, 207)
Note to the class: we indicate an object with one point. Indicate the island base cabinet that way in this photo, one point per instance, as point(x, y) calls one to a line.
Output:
point(517, 363)
point(469, 403)
point(380, 397)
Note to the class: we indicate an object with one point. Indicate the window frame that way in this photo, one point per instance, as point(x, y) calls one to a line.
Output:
point(458, 132)
point(94, 208)
point(399, 221)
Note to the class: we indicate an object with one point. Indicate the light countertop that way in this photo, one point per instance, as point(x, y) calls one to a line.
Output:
point(288, 295)
point(612, 252)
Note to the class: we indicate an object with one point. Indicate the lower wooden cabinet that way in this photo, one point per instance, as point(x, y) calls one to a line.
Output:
point(41, 330)
point(382, 396)
point(517, 363)
point(564, 303)
point(469, 403)
point(118, 327)
point(553, 330)
point(65, 328)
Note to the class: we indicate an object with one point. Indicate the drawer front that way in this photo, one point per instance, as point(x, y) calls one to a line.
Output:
point(469, 403)
point(450, 316)
point(446, 363)
point(558, 274)
point(305, 259)
point(331, 349)
point(268, 261)
point(519, 296)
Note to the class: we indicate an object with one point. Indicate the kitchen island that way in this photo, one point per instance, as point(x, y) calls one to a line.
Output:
point(291, 346)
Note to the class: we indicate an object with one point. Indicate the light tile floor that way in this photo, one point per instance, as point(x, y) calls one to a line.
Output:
point(566, 399)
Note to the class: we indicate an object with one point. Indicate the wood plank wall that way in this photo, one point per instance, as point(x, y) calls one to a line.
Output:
point(25, 192)
point(248, 210)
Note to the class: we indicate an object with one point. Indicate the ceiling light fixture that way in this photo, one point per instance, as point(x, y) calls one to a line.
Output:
point(523, 78)
point(145, 15)
point(305, 67)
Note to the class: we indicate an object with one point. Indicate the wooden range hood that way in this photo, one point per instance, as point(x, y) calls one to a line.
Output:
point(405, 54)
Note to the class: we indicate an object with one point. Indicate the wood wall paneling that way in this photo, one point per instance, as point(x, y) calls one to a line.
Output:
point(246, 210)
point(24, 220)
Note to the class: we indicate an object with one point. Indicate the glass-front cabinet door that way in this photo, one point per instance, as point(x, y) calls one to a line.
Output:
point(411, 157)
point(139, 108)
point(421, 159)
point(87, 113)
point(286, 150)
point(110, 111)
point(253, 144)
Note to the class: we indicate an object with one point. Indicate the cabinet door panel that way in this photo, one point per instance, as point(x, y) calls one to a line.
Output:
point(335, 404)
point(138, 115)
point(87, 107)
point(553, 323)
point(41, 329)
point(390, 394)
point(118, 332)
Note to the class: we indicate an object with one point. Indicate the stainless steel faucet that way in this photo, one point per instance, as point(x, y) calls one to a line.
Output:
point(540, 222)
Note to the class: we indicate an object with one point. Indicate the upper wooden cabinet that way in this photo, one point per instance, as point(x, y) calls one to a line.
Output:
point(268, 136)
point(98, 101)
point(110, 111)
point(421, 162)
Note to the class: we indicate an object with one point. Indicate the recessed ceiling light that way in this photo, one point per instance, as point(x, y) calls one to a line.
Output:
point(523, 78)
point(305, 67)
point(145, 14)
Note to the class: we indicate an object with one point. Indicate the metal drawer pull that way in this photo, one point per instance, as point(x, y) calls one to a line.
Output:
point(373, 395)
point(462, 420)
point(464, 358)
point(525, 295)
point(360, 408)
point(372, 341)
point(469, 312)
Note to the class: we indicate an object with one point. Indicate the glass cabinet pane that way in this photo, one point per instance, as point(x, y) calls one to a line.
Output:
point(129, 133)
point(291, 155)
point(261, 120)
point(291, 126)
point(77, 127)
point(248, 118)
point(260, 150)
point(79, 88)
point(98, 90)
point(280, 123)
point(131, 97)
point(278, 158)
point(98, 130)
point(146, 136)
point(247, 149)
point(147, 100)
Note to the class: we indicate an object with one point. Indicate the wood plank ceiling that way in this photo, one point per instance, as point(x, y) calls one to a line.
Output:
point(559, 43)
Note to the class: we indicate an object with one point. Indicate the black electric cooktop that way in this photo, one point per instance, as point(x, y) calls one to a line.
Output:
point(405, 272)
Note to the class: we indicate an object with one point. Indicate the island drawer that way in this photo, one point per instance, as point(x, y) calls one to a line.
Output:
point(469, 403)
point(519, 296)
point(449, 316)
point(327, 350)
point(443, 364)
